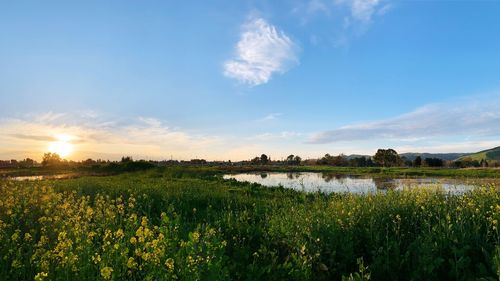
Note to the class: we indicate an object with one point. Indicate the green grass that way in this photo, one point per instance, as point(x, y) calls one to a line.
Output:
point(186, 170)
point(489, 154)
point(214, 229)
point(375, 171)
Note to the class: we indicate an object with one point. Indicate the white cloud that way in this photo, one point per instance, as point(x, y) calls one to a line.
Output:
point(270, 117)
point(285, 135)
point(262, 51)
point(363, 10)
point(476, 117)
point(359, 10)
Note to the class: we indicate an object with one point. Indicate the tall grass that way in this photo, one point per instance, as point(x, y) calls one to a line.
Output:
point(179, 224)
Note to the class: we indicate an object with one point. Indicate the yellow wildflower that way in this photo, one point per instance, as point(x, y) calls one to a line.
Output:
point(106, 272)
point(196, 236)
point(133, 240)
point(119, 233)
point(144, 221)
point(41, 276)
point(131, 263)
point(15, 236)
point(169, 263)
point(27, 237)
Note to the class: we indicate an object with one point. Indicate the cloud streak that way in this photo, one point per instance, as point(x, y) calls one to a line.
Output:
point(261, 52)
point(146, 137)
point(363, 10)
point(270, 117)
point(478, 118)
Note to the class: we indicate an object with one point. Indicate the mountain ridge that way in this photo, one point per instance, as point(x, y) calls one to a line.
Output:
point(488, 154)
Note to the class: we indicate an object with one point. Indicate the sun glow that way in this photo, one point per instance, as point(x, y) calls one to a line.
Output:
point(62, 145)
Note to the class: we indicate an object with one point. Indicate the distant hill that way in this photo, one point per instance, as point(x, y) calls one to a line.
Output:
point(489, 154)
point(352, 156)
point(445, 156)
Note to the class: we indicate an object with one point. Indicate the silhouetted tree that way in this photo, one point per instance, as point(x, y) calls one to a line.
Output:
point(126, 159)
point(433, 162)
point(51, 159)
point(339, 160)
point(297, 159)
point(293, 159)
point(417, 162)
point(255, 160)
point(264, 159)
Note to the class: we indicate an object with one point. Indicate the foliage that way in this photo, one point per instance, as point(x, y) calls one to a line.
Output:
point(328, 159)
point(417, 162)
point(51, 159)
point(433, 162)
point(387, 158)
point(293, 159)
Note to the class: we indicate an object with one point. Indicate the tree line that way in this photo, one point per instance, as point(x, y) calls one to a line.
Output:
point(382, 158)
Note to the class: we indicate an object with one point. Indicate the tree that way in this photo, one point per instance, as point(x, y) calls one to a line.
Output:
point(51, 159)
point(264, 159)
point(406, 162)
point(387, 158)
point(358, 162)
point(417, 162)
point(27, 163)
point(297, 159)
point(293, 159)
point(89, 162)
point(339, 160)
point(433, 162)
point(255, 160)
point(127, 159)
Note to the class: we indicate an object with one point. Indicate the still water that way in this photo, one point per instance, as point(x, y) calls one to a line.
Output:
point(42, 177)
point(327, 183)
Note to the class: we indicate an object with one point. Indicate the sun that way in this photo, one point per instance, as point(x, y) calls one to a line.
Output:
point(62, 145)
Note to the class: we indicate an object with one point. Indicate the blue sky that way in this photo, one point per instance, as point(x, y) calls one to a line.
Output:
point(233, 79)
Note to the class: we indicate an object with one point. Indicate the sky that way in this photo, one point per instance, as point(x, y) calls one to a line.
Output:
point(230, 80)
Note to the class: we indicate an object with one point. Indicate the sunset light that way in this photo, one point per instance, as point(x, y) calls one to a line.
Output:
point(62, 145)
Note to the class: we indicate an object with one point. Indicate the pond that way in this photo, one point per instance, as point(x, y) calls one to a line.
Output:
point(327, 182)
point(41, 177)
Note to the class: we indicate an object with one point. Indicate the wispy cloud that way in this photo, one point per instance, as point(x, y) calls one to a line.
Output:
point(270, 117)
point(477, 117)
point(347, 18)
point(363, 10)
point(285, 135)
point(358, 10)
point(262, 51)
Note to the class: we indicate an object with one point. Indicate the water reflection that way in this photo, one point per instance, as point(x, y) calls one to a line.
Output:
point(384, 183)
point(328, 182)
point(42, 177)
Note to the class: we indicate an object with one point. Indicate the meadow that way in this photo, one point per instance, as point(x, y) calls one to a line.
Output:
point(190, 224)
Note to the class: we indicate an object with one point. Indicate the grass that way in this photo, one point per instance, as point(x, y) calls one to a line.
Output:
point(111, 169)
point(188, 224)
point(375, 171)
point(492, 154)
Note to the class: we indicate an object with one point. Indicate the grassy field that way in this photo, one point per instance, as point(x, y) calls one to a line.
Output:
point(371, 171)
point(374, 171)
point(187, 224)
